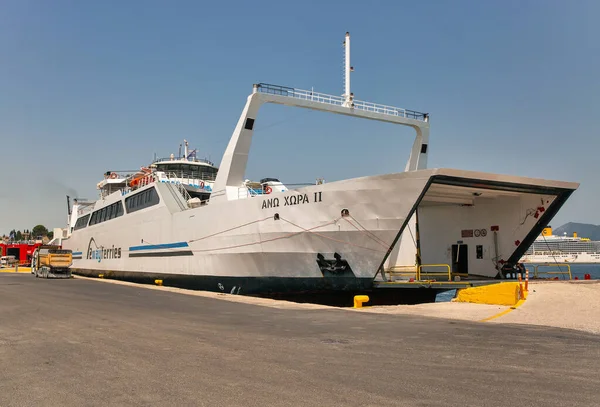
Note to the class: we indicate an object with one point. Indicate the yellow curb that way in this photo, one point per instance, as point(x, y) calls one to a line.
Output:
point(518, 304)
point(12, 270)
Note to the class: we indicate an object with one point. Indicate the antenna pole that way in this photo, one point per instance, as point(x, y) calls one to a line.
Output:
point(347, 69)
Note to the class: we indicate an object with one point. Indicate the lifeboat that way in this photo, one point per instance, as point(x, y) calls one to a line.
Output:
point(141, 177)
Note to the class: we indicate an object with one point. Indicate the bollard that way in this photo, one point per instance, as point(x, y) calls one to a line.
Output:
point(527, 280)
point(521, 294)
point(587, 276)
point(359, 299)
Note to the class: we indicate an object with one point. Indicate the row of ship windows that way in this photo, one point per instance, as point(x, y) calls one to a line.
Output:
point(133, 203)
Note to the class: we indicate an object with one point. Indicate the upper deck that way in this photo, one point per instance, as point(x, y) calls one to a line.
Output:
point(192, 161)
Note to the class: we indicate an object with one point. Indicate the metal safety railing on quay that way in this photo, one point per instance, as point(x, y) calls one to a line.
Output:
point(312, 96)
point(418, 274)
point(402, 271)
point(421, 273)
point(537, 273)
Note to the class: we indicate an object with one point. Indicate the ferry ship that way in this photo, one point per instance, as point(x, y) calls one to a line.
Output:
point(192, 224)
point(550, 248)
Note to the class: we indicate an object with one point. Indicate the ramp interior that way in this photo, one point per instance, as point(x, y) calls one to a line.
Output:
point(471, 224)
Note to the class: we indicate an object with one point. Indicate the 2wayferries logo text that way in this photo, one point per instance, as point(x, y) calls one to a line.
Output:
point(102, 253)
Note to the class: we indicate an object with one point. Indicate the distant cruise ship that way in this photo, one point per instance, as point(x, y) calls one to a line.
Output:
point(549, 248)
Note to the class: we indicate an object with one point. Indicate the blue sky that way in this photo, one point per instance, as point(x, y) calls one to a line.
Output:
point(511, 86)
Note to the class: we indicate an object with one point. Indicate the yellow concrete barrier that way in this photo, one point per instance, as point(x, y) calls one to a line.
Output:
point(359, 300)
point(508, 294)
point(20, 269)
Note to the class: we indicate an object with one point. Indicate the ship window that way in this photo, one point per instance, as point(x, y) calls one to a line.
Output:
point(119, 209)
point(107, 213)
point(82, 222)
point(93, 219)
point(142, 200)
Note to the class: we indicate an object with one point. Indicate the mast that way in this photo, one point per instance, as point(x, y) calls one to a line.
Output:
point(348, 96)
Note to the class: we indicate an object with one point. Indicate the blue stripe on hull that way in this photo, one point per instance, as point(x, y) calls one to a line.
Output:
point(163, 254)
point(158, 246)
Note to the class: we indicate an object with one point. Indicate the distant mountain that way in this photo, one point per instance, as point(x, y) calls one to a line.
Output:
point(582, 229)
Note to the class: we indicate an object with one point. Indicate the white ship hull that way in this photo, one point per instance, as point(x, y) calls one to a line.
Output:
point(299, 242)
point(238, 241)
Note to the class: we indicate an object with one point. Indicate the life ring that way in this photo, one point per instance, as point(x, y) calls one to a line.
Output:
point(113, 175)
point(268, 190)
point(201, 184)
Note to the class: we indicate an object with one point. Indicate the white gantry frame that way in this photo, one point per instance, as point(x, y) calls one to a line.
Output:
point(232, 170)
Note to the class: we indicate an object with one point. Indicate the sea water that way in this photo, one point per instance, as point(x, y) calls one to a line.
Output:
point(577, 270)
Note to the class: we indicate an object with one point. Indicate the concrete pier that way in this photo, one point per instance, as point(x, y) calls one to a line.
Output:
point(81, 342)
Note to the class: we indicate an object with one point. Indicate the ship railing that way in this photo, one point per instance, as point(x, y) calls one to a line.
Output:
point(249, 192)
point(537, 273)
point(426, 275)
point(194, 160)
point(404, 272)
point(418, 274)
point(255, 192)
point(334, 100)
point(190, 176)
point(142, 181)
point(179, 185)
point(173, 178)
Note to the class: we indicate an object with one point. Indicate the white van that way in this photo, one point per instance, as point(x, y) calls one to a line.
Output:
point(8, 261)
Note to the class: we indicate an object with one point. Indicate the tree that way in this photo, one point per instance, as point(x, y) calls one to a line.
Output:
point(39, 230)
point(50, 235)
point(18, 235)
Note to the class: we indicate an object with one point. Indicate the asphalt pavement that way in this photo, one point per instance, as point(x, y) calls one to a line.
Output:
point(89, 343)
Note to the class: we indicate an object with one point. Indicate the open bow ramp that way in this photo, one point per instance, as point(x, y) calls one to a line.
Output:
point(475, 224)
